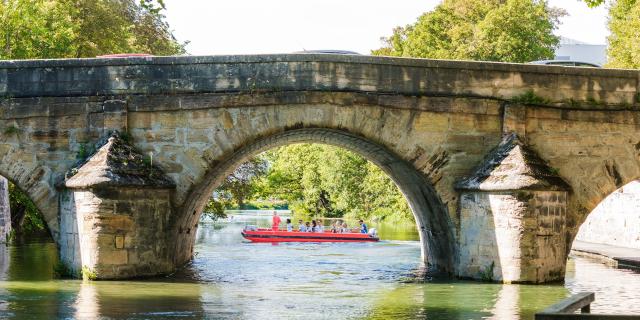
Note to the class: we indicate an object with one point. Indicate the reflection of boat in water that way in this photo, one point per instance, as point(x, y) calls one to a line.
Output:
point(268, 235)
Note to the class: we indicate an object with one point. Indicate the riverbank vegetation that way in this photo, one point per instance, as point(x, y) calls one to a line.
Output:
point(313, 180)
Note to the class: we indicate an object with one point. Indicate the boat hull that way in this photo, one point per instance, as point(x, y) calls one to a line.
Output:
point(268, 235)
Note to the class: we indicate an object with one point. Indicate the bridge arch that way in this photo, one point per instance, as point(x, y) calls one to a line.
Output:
point(614, 220)
point(33, 182)
point(433, 221)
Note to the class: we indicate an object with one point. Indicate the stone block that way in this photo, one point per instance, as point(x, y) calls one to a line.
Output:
point(112, 257)
point(119, 241)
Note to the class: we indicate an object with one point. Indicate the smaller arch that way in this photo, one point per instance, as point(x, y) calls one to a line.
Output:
point(432, 218)
point(615, 220)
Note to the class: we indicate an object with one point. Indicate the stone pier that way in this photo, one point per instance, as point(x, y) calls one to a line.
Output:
point(116, 213)
point(513, 217)
point(5, 210)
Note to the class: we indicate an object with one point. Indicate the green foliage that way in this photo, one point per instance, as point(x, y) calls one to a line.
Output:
point(594, 3)
point(10, 130)
point(332, 182)
point(530, 97)
point(237, 188)
point(487, 273)
point(88, 274)
point(494, 30)
point(25, 216)
point(624, 41)
point(83, 28)
point(312, 180)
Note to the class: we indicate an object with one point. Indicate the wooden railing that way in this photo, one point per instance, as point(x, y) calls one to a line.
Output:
point(565, 309)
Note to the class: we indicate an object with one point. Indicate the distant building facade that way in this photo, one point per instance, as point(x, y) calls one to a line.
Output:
point(574, 50)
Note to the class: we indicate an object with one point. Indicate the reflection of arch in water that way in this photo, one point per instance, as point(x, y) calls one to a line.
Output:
point(616, 220)
point(432, 219)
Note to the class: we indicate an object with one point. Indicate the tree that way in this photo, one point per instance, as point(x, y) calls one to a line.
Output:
point(238, 187)
point(624, 41)
point(239, 184)
point(83, 28)
point(623, 50)
point(332, 182)
point(25, 217)
point(492, 30)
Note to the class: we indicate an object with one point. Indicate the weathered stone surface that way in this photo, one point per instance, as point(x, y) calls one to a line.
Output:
point(194, 114)
point(117, 164)
point(513, 166)
point(513, 237)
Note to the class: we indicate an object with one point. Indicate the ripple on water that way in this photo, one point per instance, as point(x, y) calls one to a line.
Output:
point(231, 279)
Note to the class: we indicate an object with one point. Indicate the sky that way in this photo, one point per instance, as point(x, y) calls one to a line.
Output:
point(279, 26)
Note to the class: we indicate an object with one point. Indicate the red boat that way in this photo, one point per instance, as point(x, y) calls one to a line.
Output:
point(268, 235)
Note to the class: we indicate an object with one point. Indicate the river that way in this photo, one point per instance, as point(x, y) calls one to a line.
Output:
point(230, 278)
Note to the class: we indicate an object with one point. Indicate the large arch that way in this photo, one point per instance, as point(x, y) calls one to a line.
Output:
point(435, 227)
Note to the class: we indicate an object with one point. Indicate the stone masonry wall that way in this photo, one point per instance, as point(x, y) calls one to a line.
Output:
point(520, 233)
point(193, 113)
point(616, 220)
point(120, 233)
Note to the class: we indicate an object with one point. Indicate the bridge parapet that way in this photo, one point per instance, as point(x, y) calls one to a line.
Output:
point(551, 85)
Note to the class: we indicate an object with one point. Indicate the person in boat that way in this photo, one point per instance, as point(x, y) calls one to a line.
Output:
point(307, 227)
point(320, 226)
point(345, 228)
point(363, 227)
point(289, 225)
point(335, 226)
point(314, 226)
point(275, 221)
point(301, 227)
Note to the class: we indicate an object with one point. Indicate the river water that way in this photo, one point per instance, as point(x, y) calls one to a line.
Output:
point(230, 278)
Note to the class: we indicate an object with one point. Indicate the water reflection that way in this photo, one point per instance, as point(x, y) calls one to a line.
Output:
point(87, 305)
point(233, 279)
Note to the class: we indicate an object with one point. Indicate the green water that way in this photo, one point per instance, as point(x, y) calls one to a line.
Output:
point(230, 278)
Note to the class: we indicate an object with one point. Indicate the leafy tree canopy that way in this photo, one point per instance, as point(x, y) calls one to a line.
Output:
point(83, 28)
point(624, 41)
point(322, 180)
point(491, 30)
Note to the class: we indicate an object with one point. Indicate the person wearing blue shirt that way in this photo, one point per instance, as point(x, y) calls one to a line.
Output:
point(301, 227)
point(363, 227)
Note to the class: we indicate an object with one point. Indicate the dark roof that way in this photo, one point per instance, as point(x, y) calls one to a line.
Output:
point(116, 163)
point(513, 166)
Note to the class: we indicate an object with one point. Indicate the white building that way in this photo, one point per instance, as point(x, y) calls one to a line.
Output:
point(574, 50)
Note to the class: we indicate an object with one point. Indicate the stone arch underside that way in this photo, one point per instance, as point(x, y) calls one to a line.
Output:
point(616, 219)
point(34, 182)
point(435, 227)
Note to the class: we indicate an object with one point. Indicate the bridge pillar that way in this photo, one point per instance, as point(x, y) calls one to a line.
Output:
point(115, 215)
point(5, 212)
point(513, 215)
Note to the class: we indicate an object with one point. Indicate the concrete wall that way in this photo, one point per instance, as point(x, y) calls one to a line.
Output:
point(616, 220)
point(5, 210)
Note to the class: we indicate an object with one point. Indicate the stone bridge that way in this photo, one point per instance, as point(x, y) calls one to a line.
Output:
point(500, 163)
